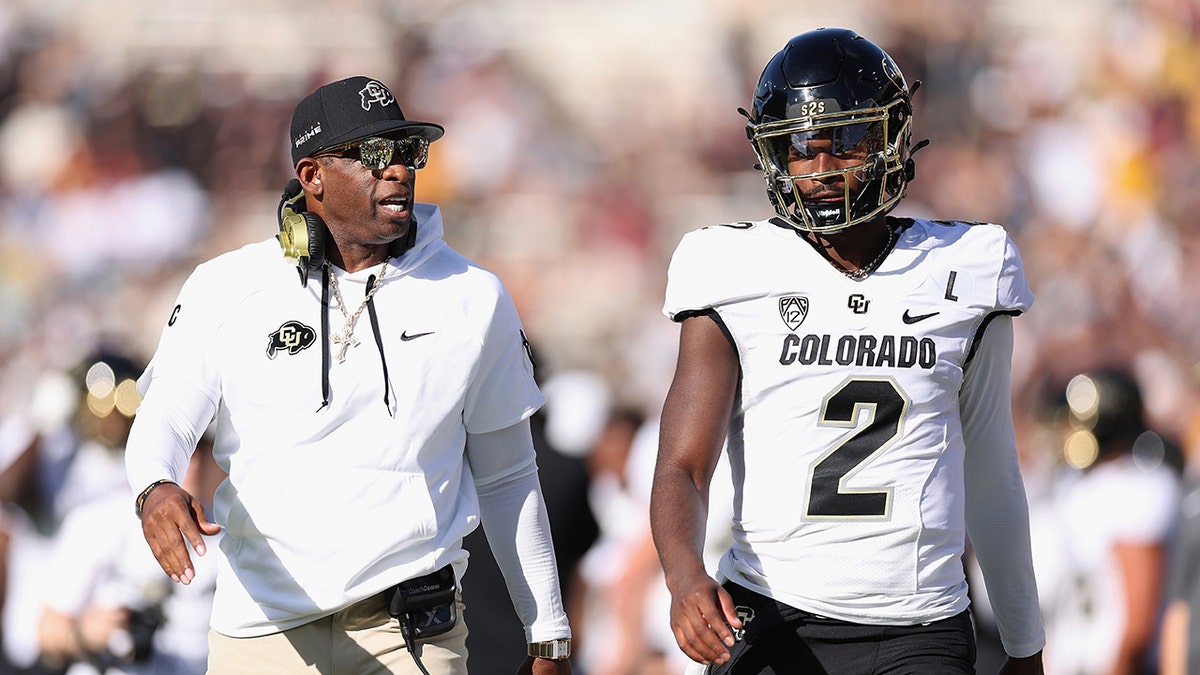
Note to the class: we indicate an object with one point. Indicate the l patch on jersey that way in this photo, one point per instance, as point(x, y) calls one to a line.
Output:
point(292, 336)
point(793, 309)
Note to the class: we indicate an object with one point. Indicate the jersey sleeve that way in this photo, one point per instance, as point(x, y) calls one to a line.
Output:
point(686, 287)
point(997, 512)
point(1147, 509)
point(1013, 294)
point(503, 391)
point(711, 267)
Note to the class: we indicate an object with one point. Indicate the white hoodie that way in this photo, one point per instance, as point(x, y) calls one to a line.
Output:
point(327, 504)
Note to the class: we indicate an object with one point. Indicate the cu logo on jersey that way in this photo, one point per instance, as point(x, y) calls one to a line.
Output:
point(292, 336)
point(858, 303)
point(375, 92)
point(793, 309)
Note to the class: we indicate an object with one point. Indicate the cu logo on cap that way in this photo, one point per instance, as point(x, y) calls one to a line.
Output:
point(375, 92)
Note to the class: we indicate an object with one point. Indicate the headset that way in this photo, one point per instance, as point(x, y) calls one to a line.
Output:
point(302, 234)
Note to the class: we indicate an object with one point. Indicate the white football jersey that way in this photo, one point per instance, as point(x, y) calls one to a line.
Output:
point(845, 442)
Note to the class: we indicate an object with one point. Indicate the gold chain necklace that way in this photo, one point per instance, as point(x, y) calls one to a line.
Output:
point(345, 338)
point(862, 272)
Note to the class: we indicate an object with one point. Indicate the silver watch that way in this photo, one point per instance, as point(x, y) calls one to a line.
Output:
point(555, 650)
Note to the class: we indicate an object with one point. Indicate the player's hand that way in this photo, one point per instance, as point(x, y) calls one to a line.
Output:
point(703, 619)
point(535, 666)
point(170, 518)
point(1028, 665)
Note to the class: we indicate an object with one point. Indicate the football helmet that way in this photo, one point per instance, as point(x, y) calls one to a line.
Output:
point(1107, 403)
point(107, 382)
point(832, 90)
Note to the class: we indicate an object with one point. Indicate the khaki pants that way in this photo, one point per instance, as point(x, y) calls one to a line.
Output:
point(362, 639)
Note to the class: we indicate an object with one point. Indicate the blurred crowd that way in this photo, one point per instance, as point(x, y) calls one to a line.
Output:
point(138, 139)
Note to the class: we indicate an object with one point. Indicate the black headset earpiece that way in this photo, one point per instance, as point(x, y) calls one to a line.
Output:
point(301, 234)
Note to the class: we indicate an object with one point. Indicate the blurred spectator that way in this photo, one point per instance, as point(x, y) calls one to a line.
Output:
point(1103, 571)
point(618, 569)
point(111, 610)
point(68, 461)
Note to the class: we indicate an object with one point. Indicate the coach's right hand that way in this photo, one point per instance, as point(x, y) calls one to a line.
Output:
point(170, 518)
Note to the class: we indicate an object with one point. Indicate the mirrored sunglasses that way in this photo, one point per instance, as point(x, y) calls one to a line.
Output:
point(377, 153)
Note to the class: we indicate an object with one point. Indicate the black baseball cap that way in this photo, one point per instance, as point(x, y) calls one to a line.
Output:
point(347, 110)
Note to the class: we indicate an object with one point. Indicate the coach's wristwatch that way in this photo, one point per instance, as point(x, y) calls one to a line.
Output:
point(555, 650)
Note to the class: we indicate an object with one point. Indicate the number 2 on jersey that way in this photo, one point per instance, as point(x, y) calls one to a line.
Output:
point(886, 405)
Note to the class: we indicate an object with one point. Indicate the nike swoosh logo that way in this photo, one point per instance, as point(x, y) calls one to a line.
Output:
point(908, 318)
point(406, 337)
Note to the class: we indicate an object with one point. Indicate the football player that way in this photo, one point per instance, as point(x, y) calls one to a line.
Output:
point(858, 365)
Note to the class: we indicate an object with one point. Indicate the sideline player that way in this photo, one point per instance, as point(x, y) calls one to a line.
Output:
point(859, 366)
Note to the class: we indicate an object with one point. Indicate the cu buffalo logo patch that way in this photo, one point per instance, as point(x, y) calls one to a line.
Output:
point(375, 92)
point(793, 309)
point(292, 336)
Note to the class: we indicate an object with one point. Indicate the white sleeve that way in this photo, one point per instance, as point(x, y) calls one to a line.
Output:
point(997, 512)
point(171, 419)
point(518, 530)
point(503, 389)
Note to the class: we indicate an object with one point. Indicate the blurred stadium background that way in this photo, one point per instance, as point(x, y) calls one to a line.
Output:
point(137, 138)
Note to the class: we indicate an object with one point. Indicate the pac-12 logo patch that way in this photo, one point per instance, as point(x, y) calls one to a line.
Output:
point(793, 309)
point(292, 336)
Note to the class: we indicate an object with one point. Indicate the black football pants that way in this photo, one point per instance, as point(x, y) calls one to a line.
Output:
point(783, 640)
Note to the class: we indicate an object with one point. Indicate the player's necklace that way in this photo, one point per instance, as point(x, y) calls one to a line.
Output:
point(862, 272)
point(345, 338)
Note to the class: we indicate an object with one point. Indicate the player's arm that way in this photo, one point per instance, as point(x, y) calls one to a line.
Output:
point(170, 421)
point(1141, 566)
point(996, 509)
point(513, 514)
point(694, 422)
